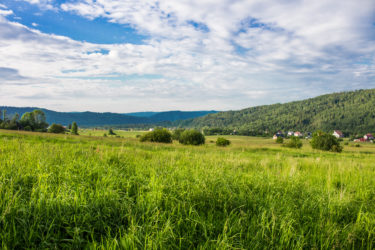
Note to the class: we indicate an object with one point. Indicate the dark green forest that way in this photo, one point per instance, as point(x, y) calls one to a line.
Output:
point(94, 119)
point(351, 112)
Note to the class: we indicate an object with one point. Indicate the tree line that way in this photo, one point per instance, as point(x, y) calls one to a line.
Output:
point(33, 121)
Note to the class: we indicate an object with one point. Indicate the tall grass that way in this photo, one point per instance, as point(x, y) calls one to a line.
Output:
point(82, 192)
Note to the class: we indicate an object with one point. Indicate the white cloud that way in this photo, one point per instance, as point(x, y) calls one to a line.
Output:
point(6, 12)
point(238, 54)
point(43, 4)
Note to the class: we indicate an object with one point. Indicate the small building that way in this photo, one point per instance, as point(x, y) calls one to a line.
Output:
point(278, 134)
point(151, 129)
point(275, 136)
point(338, 134)
point(298, 134)
point(290, 133)
point(368, 137)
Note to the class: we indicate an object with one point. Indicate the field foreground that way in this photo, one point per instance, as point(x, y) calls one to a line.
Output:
point(59, 191)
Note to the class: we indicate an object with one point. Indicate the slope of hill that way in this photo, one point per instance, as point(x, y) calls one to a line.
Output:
point(179, 115)
point(101, 119)
point(171, 115)
point(352, 112)
point(142, 114)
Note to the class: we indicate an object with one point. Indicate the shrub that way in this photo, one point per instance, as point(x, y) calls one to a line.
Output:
point(324, 141)
point(158, 135)
point(137, 136)
point(294, 142)
point(27, 128)
point(346, 143)
point(56, 128)
point(177, 133)
point(110, 132)
point(280, 140)
point(192, 137)
point(222, 142)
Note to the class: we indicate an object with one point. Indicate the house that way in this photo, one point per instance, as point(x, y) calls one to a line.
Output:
point(278, 134)
point(338, 134)
point(308, 135)
point(275, 136)
point(151, 129)
point(360, 140)
point(368, 137)
point(298, 134)
point(290, 133)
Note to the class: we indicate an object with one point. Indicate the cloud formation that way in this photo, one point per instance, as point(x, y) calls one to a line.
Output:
point(209, 54)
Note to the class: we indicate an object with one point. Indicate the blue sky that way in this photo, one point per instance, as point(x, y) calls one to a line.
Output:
point(125, 56)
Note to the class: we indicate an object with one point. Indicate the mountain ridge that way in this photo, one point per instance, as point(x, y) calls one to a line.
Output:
point(91, 119)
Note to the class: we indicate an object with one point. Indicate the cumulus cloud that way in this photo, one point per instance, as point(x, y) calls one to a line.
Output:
point(209, 54)
point(43, 4)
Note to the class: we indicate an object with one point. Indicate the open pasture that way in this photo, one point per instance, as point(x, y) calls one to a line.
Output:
point(62, 191)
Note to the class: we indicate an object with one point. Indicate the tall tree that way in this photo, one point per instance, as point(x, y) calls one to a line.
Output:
point(74, 128)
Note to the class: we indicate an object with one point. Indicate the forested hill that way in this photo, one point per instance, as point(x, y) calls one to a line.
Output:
point(101, 119)
point(351, 112)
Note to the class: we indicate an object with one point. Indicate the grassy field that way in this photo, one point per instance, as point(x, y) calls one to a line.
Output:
point(62, 191)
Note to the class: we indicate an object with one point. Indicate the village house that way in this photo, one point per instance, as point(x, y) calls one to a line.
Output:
point(290, 133)
point(298, 134)
point(338, 134)
point(278, 134)
point(368, 137)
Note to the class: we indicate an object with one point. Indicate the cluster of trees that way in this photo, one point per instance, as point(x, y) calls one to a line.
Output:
point(222, 142)
point(294, 142)
point(320, 140)
point(30, 121)
point(33, 121)
point(324, 141)
point(351, 112)
point(186, 137)
point(158, 135)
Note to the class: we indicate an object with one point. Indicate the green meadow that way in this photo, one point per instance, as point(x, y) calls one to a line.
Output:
point(95, 192)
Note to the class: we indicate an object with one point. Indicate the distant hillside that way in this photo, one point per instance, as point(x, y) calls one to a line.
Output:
point(352, 112)
point(171, 115)
point(142, 114)
point(101, 119)
point(179, 115)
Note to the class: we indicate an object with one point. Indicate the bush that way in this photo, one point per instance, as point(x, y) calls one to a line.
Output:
point(110, 132)
point(280, 140)
point(158, 135)
point(294, 142)
point(324, 141)
point(177, 133)
point(192, 137)
point(222, 142)
point(56, 128)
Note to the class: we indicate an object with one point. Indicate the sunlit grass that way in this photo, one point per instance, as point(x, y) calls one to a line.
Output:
point(62, 191)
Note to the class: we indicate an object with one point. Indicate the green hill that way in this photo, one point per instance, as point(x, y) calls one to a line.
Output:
point(351, 112)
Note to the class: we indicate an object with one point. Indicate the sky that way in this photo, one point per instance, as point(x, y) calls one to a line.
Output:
point(156, 55)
